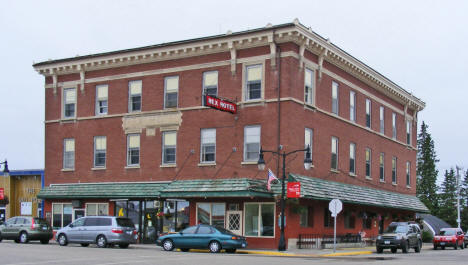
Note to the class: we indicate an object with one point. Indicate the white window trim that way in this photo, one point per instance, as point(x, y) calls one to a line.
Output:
point(337, 152)
point(163, 144)
point(382, 120)
point(178, 88)
point(244, 81)
point(337, 97)
point(354, 159)
point(211, 209)
point(311, 143)
point(201, 148)
point(63, 103)
point(369, 102)
point(394, 126)
point(408, 174)
point(130, 97)
point(97, 113)
point(52, 211)
point(396, 170)
point(139, 152)
point(203, 83)
point(94, 156)
point(259, 212)
point(380, 178)
point(312, 89)
point(370, 163)
point(245, 143)
point(97, 208)
point(74, 155)
point(352, 94)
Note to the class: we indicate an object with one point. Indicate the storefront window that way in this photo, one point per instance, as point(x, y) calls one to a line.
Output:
point(133, 212)
point(259, 219)
point(251, 219)
point(203, 213)
point(61, 214)
point(94, 209)
point(121, 208)
point(211, 214)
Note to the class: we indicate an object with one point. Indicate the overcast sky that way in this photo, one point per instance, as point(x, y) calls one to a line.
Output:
point(420, 45)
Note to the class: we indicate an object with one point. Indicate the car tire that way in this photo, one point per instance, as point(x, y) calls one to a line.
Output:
point(418, 248)
point(184, 249)
point(456, 245)
point(214, 247)
point(443, 247)
point(62, 240)
point(462, 245)
point(101, 241)
point(84, 244)
point(379, 250)
point(435, 247)
point(231, 250)
point(404, 247)
point(44, 241)
point(393, 250)
point(168, 245)
point(124, 245)
point(24, 238)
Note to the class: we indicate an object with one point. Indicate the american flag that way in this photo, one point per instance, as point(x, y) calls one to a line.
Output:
point(271, 178)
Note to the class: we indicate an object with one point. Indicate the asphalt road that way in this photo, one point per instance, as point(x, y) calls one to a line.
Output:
point(35, 253)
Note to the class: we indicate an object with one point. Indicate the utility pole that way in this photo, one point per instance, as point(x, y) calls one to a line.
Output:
point(458, 197)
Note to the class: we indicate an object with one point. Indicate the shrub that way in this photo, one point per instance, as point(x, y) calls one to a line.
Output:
point(426, 236)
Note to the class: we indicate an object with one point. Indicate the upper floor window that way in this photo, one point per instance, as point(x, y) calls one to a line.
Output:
point(382, 119)
point(382, 167)
point(251, 143)
point(368, 162)
point(253, 86)
point(408, 132)
point(394, 130)
point(101, 99)
point(368, 113)
point(309, 86)
point(171, 90)
point(394, 170)
point(352, 158)
point(334, 153)
point(352, 106)
point(100, 146)
point(408, 174)
point(134, 95)
point(208, 146)
point(308, 140)
point(210, 84)
point(169, 147)
point(133, 150)
point(69, 103)
point(69, 153)
point(335, 98)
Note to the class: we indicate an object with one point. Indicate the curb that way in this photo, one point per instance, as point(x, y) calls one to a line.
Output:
point(282, 254)
point(355, 253)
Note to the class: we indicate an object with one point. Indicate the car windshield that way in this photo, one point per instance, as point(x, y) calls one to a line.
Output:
point(225, 231)
point(125, 222)
point(397, 229)
point(447, 232)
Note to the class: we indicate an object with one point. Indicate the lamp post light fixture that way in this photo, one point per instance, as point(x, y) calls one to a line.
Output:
point(283, 155)
point(6, 171)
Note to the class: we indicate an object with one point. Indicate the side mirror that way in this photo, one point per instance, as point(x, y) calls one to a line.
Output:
point(70, 225)
point(181, 233)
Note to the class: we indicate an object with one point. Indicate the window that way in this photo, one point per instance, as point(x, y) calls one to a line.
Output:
point(382, 120)
point(259, 219)
point(307, 217)
point(169, 147)
point(101, 99)
point(368, 162)
point(394, 170)
point(204, 230)
point(171, 89)
point(208, 146)
point(327, 218)
point(210, 84)
point(335, 99)
point(211, 214)
point(97, 209)
point(349, 220)
point(134, 98)
point(61, 214)
point(251, 143)
point(334, 153)
point(352, 106)
point(352, 158)
point(368, 113)
point(382, 167)
point(100, 147)
point(394, 134)
point(408, 174)
point(309, 86)
point(253, 86)
point(69, 103)
point(408, 132)
point(69, 153)
point(366, 222)
point(133, 150)
point(308, 140)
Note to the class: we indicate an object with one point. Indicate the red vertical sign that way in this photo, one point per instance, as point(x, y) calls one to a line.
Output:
point(294, 189)
point(2, 193)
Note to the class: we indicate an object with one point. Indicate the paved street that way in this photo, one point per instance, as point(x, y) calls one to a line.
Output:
point(35, 253)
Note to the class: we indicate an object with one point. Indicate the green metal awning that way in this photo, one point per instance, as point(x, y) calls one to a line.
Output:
point(118, 190)
point(319, 189)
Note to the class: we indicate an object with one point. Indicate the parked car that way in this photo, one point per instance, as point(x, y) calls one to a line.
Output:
point(203, 237)
point(466, 240)
point(400, 235)
point(99, 230)
point(449, 237)
point(22, 229)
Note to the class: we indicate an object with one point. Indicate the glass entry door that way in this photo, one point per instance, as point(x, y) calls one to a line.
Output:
point(78, 213)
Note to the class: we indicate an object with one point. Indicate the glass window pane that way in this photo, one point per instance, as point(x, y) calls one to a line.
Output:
point(172, 84)
point(102, 91)
point(267, 224)
point(91, 209)
point(210, 79)
point(67, 214)
point(134, 141)
point(203, 213)
point(103, 209)
point(218, 212)
point(135, 87)
point(170, 138)
point(254, 73)
point(251, 219)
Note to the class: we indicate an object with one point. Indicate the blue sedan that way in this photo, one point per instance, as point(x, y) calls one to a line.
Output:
point(202, 237)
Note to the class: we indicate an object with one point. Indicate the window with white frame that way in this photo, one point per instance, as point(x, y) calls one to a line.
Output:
point(382, 167)
point(210, 84)
point(169, 147)
point(308, 141)
point(251, 143)
point(133, 149)
point(368, 113)
point(309, 81)
point(211, 214)
point(100, 147)
point(134, 95)
point(69, 153)
point(352, 106)
point(171, 91)
point(408, 174)
point(259, 219)
point(97, 209)
point(394, 130)
point(394, 170)
point(368, 162)
point(335, 98)
point(408, 132)
point(307, 217)
point(382, 120)
point(334, 153)
point(352, 158)
point(253, 85)
point(208, 146)
point(62, 214)
point(101, 99)
point(69, 103)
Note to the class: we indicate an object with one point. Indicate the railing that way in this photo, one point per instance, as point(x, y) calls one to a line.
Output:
point(319, 241)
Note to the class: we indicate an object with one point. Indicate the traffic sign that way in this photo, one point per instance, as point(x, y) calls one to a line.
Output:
point(335, 207)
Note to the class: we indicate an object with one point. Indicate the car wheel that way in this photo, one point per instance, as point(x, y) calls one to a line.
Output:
point(168, 245)
point(443, 247)
point(394, 250)
point(404, 247)
point(84, 244)
point(214, 247)
point(435, 247)
point(184, 249)
point(462, 246)
point(231, 250)
point(125, 245)
point(101, 241)
point(44, 241)
point(24, 238)
point(379, 250)
point(417, 249)
point(62, 240)
point(456, 245)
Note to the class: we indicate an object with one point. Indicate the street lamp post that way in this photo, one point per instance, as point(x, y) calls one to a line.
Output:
point(283, 155)
point(6, 174)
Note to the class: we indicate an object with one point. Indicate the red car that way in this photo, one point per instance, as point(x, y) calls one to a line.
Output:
point(449, 237)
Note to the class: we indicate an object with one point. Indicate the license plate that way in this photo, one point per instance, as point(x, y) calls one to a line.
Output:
point(442, 243)
point(387, 242)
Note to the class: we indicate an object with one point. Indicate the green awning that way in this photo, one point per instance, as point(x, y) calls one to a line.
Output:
point(118, 190)
point(319, 189)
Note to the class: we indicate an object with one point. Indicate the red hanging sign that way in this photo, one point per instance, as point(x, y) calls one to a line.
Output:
point(294, 189)
point(2, 193)
point(220, 104)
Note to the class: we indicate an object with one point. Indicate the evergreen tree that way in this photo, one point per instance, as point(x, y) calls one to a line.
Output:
point(464, 203)
point(426, 187)
point(448, 198)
